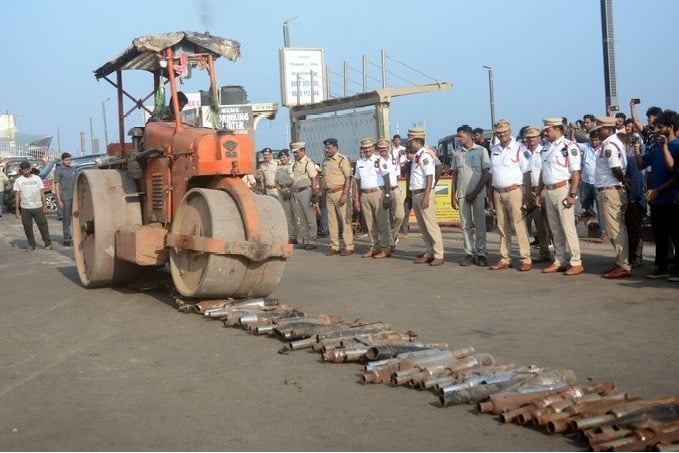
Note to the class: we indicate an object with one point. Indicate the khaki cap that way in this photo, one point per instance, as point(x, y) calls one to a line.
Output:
point(383, 143)
point(502, 126)
point(605, 121)
point(551, 122)
point(297, 145)
point(367, 143)
point(416, 132)
point(532, 131)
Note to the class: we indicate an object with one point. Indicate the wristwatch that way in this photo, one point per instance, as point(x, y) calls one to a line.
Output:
point(573, 195)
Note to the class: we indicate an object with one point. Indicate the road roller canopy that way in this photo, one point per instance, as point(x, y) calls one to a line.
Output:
point(146, 52)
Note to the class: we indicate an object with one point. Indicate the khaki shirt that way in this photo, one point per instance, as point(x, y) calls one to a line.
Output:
point(267, 175)
point(336, 170)
point(303, 171)
point(284, 174)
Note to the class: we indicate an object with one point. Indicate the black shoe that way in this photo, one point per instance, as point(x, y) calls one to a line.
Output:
point(481, 261)
point(467, 261)
point(67, 243)
point(657, 274)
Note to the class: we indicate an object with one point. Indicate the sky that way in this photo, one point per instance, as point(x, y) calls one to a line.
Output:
point(546, 56)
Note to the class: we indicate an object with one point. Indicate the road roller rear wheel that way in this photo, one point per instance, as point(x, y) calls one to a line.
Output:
point(103, 202)
point(215, 214)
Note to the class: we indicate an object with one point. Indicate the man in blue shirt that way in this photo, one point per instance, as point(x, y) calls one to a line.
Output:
point(636, 198)
point(663, 158)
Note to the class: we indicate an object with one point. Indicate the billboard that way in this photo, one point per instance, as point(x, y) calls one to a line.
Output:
point(349, 129)
point(302, 76)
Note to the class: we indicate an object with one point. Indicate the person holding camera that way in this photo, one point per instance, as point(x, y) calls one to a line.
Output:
point(648, 131)
point(663, 157)
point(619, 116)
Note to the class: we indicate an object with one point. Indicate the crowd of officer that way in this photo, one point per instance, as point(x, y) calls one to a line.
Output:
point(531, 181)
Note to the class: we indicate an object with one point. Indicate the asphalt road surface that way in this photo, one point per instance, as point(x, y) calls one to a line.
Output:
point(122, 369)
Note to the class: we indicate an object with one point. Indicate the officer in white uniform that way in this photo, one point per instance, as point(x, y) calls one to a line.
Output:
point(372, 180)
point(559, 184)
point(608, 178)
point(510, 167)
point(422, 172)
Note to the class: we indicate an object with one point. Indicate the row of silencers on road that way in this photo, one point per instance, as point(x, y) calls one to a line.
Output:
point(607, 420)
point(529, 395)
point(417, 366)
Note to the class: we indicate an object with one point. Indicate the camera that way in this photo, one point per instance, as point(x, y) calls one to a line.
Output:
point(614, 108)
point(636, 101)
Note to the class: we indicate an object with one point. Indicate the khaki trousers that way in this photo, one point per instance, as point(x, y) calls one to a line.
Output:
point(376, 219)
point(426, 222)
point(539, 216)
point(339, 215)
point(509, 215)
point(289, 214)
point(304, 213)
point(613, 204)
point(562, 224)
point(396, 212)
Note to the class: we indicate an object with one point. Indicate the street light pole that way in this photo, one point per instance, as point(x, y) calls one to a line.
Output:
point(286, 33)
point(492, 95)
point(103, 113)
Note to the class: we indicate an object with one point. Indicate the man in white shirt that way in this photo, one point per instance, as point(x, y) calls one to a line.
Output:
point(422, 188)
point(609, 177)
point(373, 183)
point(510, 166)
point(559, 182)
point(29, 199)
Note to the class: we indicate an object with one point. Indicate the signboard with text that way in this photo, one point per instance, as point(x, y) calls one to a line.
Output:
point(445, 214)
point(302, 79)
point(237, 118)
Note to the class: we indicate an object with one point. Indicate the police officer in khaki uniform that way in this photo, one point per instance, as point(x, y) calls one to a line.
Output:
point(266, 174)
point(337, 183)
point(283, 180)
point(608, 178)
point(372, 181)
point(422, 172)
point(305, 183)
point(559, 184)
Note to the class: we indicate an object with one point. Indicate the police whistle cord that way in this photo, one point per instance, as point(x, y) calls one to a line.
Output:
point(605, 418)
